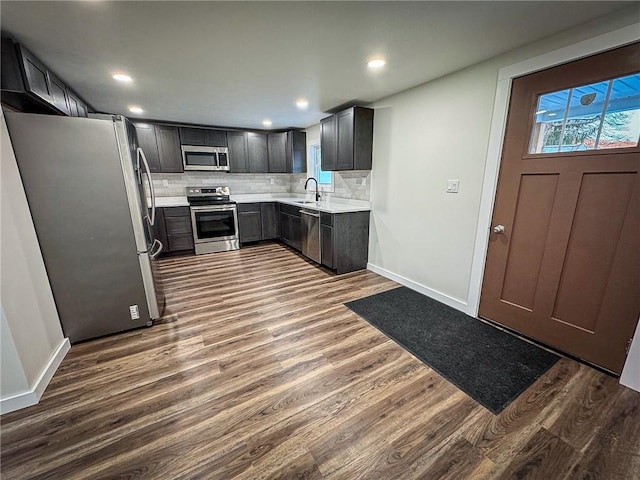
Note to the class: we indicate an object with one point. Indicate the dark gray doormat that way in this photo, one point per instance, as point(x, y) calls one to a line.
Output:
point(492, 366)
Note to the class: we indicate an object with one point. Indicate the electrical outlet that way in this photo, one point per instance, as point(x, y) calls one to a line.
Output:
point(134, 311)
point(165, 183)
point(452, 186)
point(272, 181)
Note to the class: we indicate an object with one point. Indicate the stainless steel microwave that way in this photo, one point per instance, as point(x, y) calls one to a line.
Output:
point(195, 157)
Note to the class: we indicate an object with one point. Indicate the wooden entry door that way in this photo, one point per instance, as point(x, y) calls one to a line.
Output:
point(563, 262)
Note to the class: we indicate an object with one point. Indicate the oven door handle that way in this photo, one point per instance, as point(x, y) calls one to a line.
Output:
point(213, 208)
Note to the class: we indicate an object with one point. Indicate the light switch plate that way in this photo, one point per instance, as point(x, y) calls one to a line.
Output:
point(452, 186)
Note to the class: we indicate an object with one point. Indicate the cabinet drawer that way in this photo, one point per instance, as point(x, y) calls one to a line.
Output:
point(248, 207)
point(326, 219)
point(180, 242)
point(177, 212)
point(290, 209)
point(178, 225)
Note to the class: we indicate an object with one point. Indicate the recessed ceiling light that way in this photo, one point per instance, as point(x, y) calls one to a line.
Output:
point(302, 103)
point(122, 77)
point(376, 63)
point(266, 122)
point(135, 109)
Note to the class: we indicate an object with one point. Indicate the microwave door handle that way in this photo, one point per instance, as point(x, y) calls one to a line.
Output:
point(142, 157)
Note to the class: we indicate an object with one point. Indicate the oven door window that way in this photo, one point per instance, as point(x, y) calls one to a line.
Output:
point(213, 225)
point(200, 159)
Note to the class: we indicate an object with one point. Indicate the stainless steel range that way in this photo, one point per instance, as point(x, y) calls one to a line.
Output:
point(214, 218)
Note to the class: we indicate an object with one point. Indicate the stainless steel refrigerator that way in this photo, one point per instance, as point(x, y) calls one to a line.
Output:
point(84, 178)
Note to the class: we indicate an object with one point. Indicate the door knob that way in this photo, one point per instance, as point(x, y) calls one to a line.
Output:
point(498, 229)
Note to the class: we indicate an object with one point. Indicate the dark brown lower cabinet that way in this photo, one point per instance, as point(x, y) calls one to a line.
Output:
point(326, 239)
point(258, 221)
point(344, 241)
point(249, 222)
point(270, 220)
point(344, 237)
point(290, 226)
point(173, 228)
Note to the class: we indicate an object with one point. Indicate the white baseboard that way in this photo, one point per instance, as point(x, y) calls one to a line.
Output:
point(429, 292)
point(32, 397)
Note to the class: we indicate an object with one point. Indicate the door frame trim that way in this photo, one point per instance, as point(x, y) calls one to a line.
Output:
point(585, 48)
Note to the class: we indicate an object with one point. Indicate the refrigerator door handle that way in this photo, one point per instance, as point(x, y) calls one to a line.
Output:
point(154, 253)
point(141, 156)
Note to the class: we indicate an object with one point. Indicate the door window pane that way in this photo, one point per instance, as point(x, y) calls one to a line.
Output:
point(589, 117)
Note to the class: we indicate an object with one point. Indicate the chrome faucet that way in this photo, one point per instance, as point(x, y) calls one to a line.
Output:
point(317, 192)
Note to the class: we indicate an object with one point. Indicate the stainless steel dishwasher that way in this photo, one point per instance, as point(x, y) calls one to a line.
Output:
point(311, 234)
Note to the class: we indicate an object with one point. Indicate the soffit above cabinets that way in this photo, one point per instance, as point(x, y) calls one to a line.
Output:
point(237, 63)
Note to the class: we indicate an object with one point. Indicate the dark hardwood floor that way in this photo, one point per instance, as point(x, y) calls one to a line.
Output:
point(259, 371)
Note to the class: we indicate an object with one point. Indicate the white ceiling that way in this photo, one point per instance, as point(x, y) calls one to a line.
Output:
point(237, 63)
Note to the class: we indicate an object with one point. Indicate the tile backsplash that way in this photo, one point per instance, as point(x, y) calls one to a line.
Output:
point(174, 184)
point(353, 184)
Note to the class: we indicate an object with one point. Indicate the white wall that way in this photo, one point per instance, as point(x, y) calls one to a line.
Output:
point(420, 235)
point(12, 378)
point(422, 138)
point(25, 295)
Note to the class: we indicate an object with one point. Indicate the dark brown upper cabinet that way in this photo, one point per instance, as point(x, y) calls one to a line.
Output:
point(296, 152)
point(169, 149)
point(346, 139)
point(328, 143)
point(148, 142)
point(72, 100)
point(77, 108)
point(83, 109)
point(29, 86)
point(258, 152)
point(203, 136)
point(238, 156)
point(287, 152)
point(36, 77)
point(59, 94)
point(277, 146)
point(161, 146)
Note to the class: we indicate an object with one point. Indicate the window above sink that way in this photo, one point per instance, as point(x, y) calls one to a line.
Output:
point(325, 179)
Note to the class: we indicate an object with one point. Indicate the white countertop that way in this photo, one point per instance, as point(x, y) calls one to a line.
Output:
point(332, 205)
point(170, 202)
